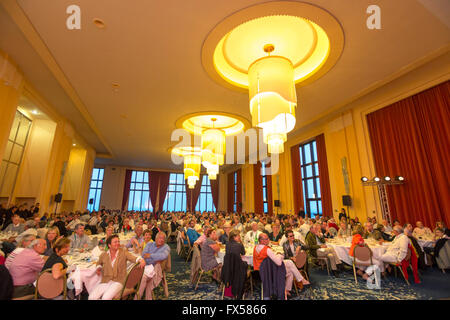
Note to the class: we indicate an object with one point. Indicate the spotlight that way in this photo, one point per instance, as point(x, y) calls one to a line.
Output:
point(34, 112)
point(399, 178)
point(364, 179)
point(377, 179)
point(387, 178)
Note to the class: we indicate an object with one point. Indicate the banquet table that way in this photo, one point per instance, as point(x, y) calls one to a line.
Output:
point(83, 264)
point(342, 248)
point(248, 253)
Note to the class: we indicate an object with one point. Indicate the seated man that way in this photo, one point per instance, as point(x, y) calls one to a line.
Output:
point(137, 240)
point(154, 253)
point(344, 230)
point(112, 266)
point(26, 266)
point(226, 228)
point(15, 226)
point(372, 233)
point(22, 244)
point(191, 233)
point(251, 238)
point(387, 226)
point(304, 228)
point(202, 238)
point(398, 249)
point(74, 222)
point(317, 247)
point(78, 240)
point(262, 251)
point(421, 232)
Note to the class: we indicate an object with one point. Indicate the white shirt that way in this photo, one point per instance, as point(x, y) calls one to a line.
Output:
point(304, 229)
point(424, 232)
point(399, 247)
point(249, 238)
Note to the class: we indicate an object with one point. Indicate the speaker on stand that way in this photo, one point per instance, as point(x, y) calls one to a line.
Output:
point(276, 203)
point(58, 199)
point(347, 201)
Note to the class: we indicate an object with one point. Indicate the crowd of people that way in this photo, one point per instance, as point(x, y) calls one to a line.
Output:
point(40, 242)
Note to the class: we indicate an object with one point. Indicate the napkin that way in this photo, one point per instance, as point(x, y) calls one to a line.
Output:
point(149, 271)
point(96, 252)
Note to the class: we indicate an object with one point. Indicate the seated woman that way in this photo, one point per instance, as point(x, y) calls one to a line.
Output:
point(234, 271)
point(358, 240)
point(344, 230)
point(276, 235)
point(138, 248)
point(109, 232)
point(112, 267)
point(56, 261)
point(210, 248)
point(51, 237)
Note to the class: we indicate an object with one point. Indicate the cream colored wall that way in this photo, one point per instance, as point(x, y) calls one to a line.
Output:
point(35, 160)
point(113, 184)
point(223, 192)
point(248, 188)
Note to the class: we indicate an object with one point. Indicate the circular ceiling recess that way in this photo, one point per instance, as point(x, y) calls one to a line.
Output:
point(308, 36)
point(196, 123)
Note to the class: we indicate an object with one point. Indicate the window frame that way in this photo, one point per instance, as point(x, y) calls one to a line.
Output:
point(179, 190)
point(313, 167)
point(95, 206)
point(144, 187)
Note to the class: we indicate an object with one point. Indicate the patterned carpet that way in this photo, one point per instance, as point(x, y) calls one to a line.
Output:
point(435, 285)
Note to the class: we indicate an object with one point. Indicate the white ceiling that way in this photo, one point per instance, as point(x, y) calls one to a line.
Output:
point(153, 50)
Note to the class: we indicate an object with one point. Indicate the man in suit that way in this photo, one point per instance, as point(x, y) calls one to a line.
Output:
point(292, 245)
point(317, 247)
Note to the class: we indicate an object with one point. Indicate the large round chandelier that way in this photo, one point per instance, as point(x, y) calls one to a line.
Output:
point(267, 49)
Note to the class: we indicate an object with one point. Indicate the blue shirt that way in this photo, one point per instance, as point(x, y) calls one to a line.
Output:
point(156, 254)
point(192, 235)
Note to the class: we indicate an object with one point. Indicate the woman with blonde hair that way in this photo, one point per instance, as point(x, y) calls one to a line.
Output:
point(51, 237)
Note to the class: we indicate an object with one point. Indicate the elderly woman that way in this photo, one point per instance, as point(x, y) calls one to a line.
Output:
point(51, 237)
point(210, 248)
point(276, 235)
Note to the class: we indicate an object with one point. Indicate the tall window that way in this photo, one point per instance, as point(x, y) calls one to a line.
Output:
point(176, 193)
point(235, 204)
point(95, 190)
point(205, 200)
point(264, 187)
point(12, 157)
point(139, 199)
point(310, 178)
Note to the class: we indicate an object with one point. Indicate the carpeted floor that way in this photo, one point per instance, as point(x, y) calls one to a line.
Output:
point(435, 285)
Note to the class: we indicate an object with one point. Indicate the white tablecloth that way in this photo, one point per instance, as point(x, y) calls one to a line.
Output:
point(342, 250)
point(248, 254)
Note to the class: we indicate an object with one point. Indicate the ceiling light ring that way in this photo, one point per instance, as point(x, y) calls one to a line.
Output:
point(309, 12)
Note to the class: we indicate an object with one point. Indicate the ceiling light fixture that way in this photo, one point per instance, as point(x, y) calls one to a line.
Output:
point(34, 112)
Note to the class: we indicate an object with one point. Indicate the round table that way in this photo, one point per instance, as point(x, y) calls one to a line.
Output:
point(248, 254)
point(342, 249)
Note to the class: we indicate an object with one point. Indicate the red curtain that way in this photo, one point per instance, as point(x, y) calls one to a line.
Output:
point(239, 191)
point(297, 179)
point(257, 179)
point(164, 178)
point(153, 177)
point(126, 189)
point(269, 194)
point(327, 206)
point(412, 138)
point(230, 193)
point(215, 192)
point(192, 194)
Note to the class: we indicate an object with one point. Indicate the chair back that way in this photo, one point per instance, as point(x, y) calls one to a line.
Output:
point(300, 259)
point(363, 253)
point(408, 254)
point(49, 288)
point(134, 277)
point(166, 265)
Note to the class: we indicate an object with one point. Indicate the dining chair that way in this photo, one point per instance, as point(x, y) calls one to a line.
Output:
point(49, 288)
point(364, 256)
point(132, 283)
